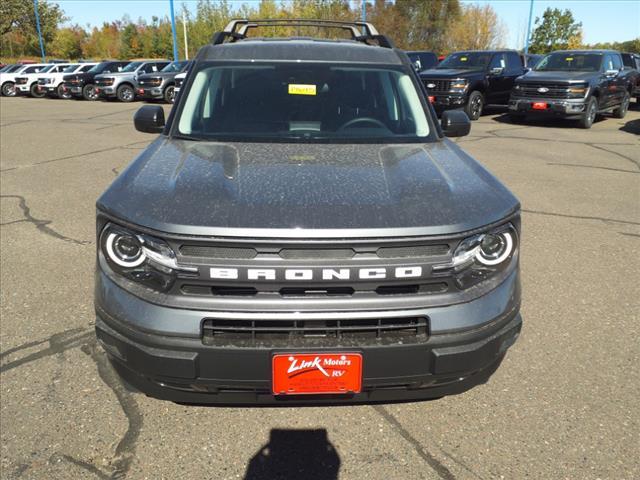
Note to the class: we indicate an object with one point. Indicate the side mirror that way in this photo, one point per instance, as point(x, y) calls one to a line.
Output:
point(611, 73)
point(455, 123)
point(149, 119)
point(496, 71)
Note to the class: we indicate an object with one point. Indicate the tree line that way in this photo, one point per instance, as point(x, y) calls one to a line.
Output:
point(442, 26)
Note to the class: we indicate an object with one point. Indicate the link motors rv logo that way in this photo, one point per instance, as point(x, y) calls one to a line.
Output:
point(329, 367)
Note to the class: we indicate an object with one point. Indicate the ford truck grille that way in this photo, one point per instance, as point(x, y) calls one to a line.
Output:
point(438, 85)
point(542, 90)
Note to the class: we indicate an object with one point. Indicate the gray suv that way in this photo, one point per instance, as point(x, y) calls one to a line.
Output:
point(303, 232)
point(122, 85)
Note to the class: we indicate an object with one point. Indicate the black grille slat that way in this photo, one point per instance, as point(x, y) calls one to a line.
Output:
point(312, 254)
point(205, 251)
point(415, 251)
point(554, 90)
point(219, 331)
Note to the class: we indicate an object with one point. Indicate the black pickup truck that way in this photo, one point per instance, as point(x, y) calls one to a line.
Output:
point(81, 85)
point(574, 84)
point(631, 62)
point(471, 80)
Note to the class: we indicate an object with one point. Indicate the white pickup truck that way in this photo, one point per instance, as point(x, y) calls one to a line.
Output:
point(27, 83)
point(51, 84)
point(8, 78)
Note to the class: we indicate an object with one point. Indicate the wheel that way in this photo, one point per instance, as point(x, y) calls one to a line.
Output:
point(474, 106)
point(35, 92)
point(125, 93)
point(621, 111)
point(517, 117)
point(170, 94)
point(589, 115)
point(61, 93)
point(89, 92)
point(8, 89)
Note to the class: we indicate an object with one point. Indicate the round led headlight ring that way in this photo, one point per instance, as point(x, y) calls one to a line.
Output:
point(495, 248)
point(124, 250)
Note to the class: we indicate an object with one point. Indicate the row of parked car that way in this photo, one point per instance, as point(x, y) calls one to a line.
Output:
point(574, 84)
point(121, 80)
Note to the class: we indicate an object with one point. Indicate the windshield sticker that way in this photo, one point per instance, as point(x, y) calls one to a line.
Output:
point(301, 89)
point(463, 59)
point(568, 59)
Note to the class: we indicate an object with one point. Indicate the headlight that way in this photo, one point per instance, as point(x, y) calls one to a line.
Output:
point(481, 256)
point(140, 257)
point(578, 90)
point(460, 84)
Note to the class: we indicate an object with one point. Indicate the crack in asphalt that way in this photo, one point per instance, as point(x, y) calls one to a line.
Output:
point(69, 157)
point(629, 234)
point(577, 165)
point(632, 160)
point(581, 217)
point(442, 471)
point(115, 171)
point(58, 343)
point(125, 450)
point(42, 225)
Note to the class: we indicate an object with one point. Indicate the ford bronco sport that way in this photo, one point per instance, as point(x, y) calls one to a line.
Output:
point(302, 232)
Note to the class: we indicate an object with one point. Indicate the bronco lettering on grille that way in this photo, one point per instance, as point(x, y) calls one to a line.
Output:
point(306, 274)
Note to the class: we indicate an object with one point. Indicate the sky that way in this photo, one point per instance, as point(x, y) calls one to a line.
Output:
point(602, 20)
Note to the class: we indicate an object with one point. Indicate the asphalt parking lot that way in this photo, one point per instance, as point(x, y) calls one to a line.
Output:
point(563, 405)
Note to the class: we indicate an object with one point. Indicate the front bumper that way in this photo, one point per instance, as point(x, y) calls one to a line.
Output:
point(105, 92)
point(160, 351)
point(556, 107)
point(22, 89)
point(149, 93)
point(447, 101)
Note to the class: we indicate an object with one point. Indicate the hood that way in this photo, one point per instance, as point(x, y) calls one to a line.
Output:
point(447, 73)
point(306, 190)
point(551, 76)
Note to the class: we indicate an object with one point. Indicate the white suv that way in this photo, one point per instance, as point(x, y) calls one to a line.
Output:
point(51, 84)
point(8, 79)
point(27, 83)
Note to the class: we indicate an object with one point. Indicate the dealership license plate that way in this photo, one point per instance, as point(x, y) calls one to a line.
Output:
point(316, 373)
point(432, 99)
point(540, 106)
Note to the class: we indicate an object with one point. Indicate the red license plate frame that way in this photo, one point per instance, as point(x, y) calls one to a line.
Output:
point(316, 373)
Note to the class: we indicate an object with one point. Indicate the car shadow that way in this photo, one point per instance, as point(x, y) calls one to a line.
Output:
point(545, 122)
point(295, 454)
point(632, 126)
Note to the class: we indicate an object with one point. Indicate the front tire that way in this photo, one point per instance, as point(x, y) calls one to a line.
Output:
point(170, 94)
point(62, 94)
point(125, 93)
point(474, 106)
point(589, 115)
point(89, 93)
point(8, 89)
point(34, 92)
point(621, 111)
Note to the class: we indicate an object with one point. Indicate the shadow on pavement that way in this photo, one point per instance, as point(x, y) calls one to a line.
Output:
point(295, 454)
point(632, 126)
point(544, 121)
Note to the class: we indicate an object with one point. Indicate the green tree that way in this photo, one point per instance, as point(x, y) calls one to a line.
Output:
point(555, 31)
point(18, 24)
point(130, 46)
point(68, 42)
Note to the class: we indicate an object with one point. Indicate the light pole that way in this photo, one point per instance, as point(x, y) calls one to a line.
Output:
point(526, 40)
point(173, 31)
point(35, 8)
point(184, 29)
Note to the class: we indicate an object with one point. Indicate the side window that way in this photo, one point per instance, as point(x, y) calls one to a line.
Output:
point(608, 62)
point(119, 67)
point(86, 68)
point(627, 60)
point(498, 61)
point(514, 63)
point(617, 62)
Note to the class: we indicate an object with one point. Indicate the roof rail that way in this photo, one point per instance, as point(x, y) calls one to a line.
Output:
point(237, 29)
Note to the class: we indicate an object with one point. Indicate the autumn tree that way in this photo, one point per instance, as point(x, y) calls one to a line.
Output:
point(68, 43)
point(18, 25)
point(477, 28)
point(555, 31)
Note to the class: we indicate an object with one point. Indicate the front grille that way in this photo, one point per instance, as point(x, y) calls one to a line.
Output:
point(21, 80)
point(205, 251)
point(415, 251)
point(104, 82)
point(314, 332)
point(550, 90)
point(149, 82)
point(440, 85)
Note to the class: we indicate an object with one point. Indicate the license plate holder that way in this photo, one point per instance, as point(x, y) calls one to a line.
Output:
point(539, 105)
point(316, 373)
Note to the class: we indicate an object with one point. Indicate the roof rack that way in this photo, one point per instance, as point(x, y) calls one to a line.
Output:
point(237, 29)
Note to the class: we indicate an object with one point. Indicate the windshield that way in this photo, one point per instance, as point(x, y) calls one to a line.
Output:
point(45, 69)
point(71, 68)
point(303, 102)
point(131, 67)
point(423, 60)
point(570, 62)
point(174, 67)
point(466, 61)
